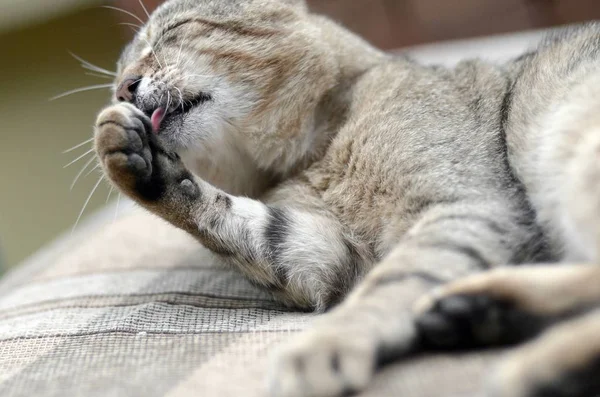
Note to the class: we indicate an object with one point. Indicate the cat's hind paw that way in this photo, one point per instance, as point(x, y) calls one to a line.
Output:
point(563, 362)
point(470, 313)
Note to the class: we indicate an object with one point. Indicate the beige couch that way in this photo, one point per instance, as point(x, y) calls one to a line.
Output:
point(129, 306)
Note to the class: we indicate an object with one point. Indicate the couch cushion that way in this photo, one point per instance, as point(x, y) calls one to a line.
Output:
point(137, 307)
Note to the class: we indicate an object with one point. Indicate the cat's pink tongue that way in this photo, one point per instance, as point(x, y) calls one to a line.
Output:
point(157, 118)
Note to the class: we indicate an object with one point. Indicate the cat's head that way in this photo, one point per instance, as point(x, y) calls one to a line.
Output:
point(208, 71)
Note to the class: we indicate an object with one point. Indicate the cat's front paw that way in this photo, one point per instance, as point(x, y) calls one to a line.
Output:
point(133, 158)
point(323, 363)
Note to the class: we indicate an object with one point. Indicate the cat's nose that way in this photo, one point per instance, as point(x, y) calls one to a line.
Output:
point(126, 90)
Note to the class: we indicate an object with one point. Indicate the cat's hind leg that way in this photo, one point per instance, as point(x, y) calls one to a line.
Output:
point(554, 147)
point(563, 362)
point(513, 304)
point(506, 305)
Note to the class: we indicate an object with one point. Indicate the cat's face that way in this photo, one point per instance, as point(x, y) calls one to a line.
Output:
point(210, 70)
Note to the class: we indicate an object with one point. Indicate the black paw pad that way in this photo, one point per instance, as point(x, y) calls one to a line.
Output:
point(470, 321)
point(138, 165)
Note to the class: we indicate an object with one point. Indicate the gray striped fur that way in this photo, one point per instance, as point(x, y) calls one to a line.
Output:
point(318, 165)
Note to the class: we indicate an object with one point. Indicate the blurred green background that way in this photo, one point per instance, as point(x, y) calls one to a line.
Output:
point(36, 35)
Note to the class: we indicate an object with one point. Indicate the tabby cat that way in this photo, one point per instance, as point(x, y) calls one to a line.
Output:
point(338, 176)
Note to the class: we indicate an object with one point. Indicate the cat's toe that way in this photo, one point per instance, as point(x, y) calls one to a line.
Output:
point(134, 159)
point(122, 144)
point(322, 364)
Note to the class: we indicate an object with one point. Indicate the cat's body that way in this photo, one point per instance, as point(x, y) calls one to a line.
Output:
point(352, 160)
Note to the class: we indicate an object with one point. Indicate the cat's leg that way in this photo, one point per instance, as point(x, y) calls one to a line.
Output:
point(340, 352)
point(505, 305)
point(563, 362)
point(512, 304)
point(304, 256)
point(555, 152)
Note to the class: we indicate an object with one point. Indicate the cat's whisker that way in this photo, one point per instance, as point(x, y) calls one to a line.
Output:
point(158, 101)
point(90, 161)
point(138, 80)
point(134, 25)
point(98, 70)
point(117, 207)
point(86, 203)
point(153, 52)
point(79, 158)
point(131, 14)
point(164, 64)
point(79, 145)
point(180, 49)
point(144, 8)
point(99, 75)
point(109, 193)
point(82, 89)
point(90, 66)
point(93, 169)
point(172, 71)
point(180, 98)
point(134, 30)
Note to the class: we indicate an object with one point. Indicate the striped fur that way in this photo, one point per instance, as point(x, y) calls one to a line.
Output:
point(318, 165)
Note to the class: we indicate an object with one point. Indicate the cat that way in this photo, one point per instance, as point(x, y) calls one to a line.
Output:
point(348, 180)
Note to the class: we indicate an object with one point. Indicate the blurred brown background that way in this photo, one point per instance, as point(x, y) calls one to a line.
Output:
point(36, 203)
point(398, 23)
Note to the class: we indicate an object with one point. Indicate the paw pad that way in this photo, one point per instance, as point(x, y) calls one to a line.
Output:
point(189, 188)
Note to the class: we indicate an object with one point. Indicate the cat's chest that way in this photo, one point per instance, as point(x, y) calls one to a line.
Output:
point(376, 172)
point(360, 182)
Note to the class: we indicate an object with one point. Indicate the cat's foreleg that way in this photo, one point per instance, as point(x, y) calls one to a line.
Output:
point(305, 257)
point(340, 352)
